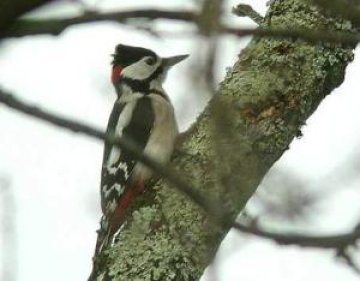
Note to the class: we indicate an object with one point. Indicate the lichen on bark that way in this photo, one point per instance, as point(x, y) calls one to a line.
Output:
point(265, 98)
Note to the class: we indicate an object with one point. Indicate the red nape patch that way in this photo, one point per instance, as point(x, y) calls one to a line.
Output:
point(115, 74)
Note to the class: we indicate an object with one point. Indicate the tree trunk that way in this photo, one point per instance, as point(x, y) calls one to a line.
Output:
point(260, 107)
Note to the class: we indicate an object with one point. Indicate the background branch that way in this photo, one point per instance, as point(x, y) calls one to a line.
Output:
point(25, 27)
point(337, 242)
point(10, 10)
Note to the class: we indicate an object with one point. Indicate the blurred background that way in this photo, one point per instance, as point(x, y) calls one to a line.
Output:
point(49, 177)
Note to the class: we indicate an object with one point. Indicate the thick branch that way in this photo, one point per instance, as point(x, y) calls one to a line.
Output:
point(264, 100)
point(348, 9)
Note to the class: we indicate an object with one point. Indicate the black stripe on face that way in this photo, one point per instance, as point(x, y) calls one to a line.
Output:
point(142, 86)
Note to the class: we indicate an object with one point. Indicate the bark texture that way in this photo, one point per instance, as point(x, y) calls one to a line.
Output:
point(264, 100)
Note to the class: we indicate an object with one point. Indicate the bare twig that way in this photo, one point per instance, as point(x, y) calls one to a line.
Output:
point(56, 26)
point(25, 27)
point(343, 254)
point(338, 241)
point(243, 10)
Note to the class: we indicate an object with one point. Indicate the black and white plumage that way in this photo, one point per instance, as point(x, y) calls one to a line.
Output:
point(144, 114)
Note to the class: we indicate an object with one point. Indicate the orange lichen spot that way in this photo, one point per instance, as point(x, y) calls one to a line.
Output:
point(291, 100)
point(268, 112)
point(249, 114)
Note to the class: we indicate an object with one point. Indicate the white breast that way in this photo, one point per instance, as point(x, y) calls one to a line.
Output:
point(163, 135)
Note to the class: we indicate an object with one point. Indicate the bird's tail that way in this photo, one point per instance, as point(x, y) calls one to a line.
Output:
point(110, 226)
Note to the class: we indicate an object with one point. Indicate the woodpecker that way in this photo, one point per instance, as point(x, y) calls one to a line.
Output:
point(143, 114)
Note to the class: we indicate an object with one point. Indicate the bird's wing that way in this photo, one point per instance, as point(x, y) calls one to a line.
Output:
point(133, 120)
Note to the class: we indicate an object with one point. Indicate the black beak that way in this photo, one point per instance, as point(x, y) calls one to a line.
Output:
point(171, 61)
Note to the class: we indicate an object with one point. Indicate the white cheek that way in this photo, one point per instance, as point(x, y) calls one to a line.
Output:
point(139, 70)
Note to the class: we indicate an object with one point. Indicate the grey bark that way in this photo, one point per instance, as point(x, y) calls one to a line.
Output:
point(261, 105)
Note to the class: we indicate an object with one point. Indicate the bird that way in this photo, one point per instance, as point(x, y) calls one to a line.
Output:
point(143, 114)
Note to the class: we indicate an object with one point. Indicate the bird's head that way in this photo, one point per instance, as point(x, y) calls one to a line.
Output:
point(140, 65)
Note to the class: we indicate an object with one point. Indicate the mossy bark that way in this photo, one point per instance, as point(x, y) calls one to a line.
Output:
point(264, 100)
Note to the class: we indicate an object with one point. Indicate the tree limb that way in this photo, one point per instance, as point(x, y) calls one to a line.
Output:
point(348, 9)
point(264, 100)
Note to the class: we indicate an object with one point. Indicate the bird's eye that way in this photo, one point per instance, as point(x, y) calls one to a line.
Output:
point(150, 61)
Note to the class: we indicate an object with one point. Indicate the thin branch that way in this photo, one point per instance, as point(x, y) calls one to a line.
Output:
point(209, 205)
point(343, 254)
point(243, 10)
point(25, 27)
point(10, 10)
point(56, 26)
point(338, 241)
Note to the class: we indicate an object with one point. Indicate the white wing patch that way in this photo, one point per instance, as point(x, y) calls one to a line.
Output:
point(112, 170)
point(124, 167)
point(120, 189)
point(112, 205)
point(116, 187)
